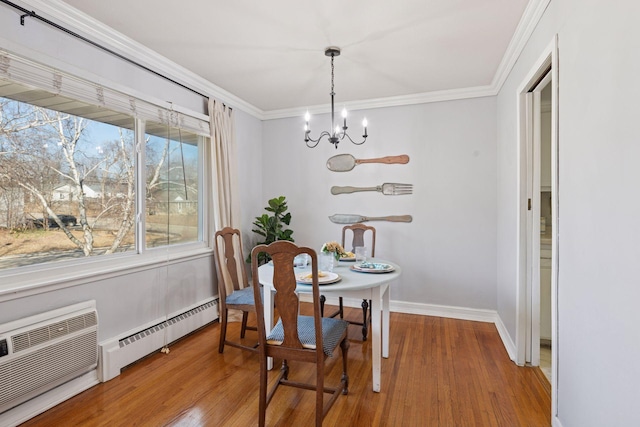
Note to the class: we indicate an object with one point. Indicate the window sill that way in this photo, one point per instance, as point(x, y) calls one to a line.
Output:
point(35, 280)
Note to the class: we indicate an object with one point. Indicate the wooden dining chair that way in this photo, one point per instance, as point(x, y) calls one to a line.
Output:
point(233, 287)
point(294, 337)
point(358, 239)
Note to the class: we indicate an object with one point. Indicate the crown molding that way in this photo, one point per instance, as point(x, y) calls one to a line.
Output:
point(392, 101)
point(530, 18)
point(104, 35)
point(94, 30)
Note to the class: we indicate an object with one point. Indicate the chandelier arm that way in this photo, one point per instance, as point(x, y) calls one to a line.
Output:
point(352, 141)
point(312, 145)
point(316, 141)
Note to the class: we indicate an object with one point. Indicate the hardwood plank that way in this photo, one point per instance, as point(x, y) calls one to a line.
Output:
point(441, 372)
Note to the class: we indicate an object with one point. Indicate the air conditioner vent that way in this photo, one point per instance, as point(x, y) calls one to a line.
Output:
point(58, 330)
point(47, 350)
point(20, 342)
point(47, 364)
point(47, 333)
point(76, 324)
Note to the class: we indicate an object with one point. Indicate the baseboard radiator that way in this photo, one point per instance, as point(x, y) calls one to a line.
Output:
point(41, 352)
point(134, 345)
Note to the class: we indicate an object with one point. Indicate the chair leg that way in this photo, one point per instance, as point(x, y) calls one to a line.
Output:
point(344, 347)
point(223, 330)
point(341, 310)
point(323, 299)
point(245, 315)
point(319, 394)
point(262, 405)
point(365, 307)
point(285, 369)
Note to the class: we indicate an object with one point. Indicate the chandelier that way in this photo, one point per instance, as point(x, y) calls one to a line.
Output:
point(337, 133)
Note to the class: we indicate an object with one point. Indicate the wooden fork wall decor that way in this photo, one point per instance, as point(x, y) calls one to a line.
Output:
point(388, 189)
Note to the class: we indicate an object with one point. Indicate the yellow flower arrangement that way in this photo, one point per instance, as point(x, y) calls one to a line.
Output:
point(334, 247)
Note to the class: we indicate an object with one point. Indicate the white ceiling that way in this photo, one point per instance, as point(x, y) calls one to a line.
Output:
point(271, 53)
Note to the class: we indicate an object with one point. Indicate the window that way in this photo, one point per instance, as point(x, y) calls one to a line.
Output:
point(172, 185)
point(68, 175)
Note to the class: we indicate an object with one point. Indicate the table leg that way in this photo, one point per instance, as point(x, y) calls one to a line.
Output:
point(375, 337)
point(268, 317)
point(385, 321)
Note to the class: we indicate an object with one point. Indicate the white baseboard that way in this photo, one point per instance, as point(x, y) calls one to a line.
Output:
point(120, 351)
point(450, 312)
point(508, 343)
point(53, 397)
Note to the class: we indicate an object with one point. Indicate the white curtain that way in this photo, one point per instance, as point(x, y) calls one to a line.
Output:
point(224, 189)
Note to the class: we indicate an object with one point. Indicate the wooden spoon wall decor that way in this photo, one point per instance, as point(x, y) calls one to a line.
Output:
point(346, 162)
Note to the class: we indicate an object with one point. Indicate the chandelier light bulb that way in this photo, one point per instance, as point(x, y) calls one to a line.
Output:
point(344, 113)
point(364, 122)
point(307, 116)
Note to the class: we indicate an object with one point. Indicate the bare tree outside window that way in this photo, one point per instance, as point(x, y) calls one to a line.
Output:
point(68, 177)
point(68, 185)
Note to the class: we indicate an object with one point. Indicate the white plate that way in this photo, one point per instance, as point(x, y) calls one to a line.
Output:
point(373, 267)
point(327, 279)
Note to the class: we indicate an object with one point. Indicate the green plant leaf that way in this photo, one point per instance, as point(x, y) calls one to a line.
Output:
point(271, 227)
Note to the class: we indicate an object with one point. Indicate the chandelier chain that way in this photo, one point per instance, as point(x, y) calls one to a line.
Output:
point(332, 93)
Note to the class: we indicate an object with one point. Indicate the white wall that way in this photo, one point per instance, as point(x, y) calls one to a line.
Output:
point(598, 373)
point(127, 301)
point(448, 252)
point(249, 154)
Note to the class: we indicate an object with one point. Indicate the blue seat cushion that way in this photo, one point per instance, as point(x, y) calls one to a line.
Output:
point(332, 330)
point(242, 296)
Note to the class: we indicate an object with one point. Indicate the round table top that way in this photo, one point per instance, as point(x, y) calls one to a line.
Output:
point(350, 279)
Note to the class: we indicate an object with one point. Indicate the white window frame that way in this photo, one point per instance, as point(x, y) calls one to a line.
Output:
point(34, 279)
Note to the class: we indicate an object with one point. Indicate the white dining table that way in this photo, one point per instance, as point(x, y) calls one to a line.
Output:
point(353, 284)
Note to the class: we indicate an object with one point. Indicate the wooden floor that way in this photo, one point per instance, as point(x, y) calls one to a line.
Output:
point(440, 372)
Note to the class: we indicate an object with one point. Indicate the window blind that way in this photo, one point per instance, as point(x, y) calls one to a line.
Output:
point(24, 71)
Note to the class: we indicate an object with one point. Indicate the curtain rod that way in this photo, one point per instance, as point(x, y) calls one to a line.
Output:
point(32, 14)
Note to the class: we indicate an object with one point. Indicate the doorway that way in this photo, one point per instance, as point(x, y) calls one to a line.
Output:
point(537, 269)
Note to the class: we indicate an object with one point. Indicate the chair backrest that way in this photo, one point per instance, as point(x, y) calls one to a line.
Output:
point(282, 254)
point(358, 231)
point(230, 269)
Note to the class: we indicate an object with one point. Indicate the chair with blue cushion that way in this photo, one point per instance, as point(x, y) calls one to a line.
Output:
point(233, 287)
point(294, 337)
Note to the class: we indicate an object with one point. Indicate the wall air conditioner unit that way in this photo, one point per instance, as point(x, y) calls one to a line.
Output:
point(40, 352)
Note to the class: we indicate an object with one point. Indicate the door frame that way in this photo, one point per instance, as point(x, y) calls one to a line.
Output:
point(527, 181)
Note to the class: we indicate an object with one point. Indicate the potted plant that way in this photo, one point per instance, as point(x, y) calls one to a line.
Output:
point(272, 227)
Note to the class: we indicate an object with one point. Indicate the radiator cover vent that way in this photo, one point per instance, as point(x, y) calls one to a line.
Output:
point(160, 326)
